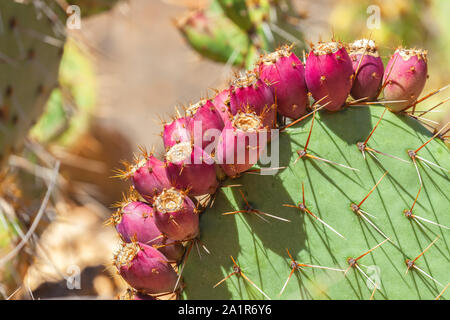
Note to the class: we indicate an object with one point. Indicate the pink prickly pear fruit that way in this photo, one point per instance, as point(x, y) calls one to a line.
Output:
point(145, 268)
point(176, 131)
point(205, 124)
point(190, 168)
point(241, 143)
point(175, 215)
point(328, 73)
point(285, 74)
point(149, 177)
point(369, 67)
point(134, 222)
point(251, 94)
point(221, 102)
point(405, 76)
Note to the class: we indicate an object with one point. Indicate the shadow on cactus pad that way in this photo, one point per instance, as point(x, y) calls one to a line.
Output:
point(314, 238)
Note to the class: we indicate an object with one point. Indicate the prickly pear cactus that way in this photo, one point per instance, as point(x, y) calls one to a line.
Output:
point(351, 203)
point(31, 47)
point(260, 247)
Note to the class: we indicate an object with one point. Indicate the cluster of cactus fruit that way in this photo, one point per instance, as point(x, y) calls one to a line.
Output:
point(207, 183)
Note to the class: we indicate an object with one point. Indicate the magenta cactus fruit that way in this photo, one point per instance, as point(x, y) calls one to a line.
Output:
point(205, 123)
point(175, 215)
point(250, 94)
point(221, 102)
point(285, 74)
point(328, 73)
point(134, 222)
point(145, 268)
point(405, 76)
point(149, 177)
point(190, 168)
point(241, 143)
point(176, 131)
point(369, 67)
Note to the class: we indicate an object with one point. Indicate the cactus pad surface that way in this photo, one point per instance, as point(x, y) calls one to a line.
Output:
point(259, 247)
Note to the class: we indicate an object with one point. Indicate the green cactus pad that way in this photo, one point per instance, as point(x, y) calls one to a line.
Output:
point(31, 46)
point(260, 247)
point(238, 12)
point(238, 32)
point(219, 40)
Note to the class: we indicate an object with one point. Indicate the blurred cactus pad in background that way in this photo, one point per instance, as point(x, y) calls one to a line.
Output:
point(238, 31)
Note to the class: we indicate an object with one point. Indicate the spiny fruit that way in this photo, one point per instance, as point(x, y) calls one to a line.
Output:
point(241, 142)
point(285, 74)
point(328, 74)
point(176, 131)
point(190, 168)
point(134, 222)
point(405, 76)
point(205, 124)
point(176, 215)
point(251, 94)
point(260, 247)
point(149, 177)
point(145, 268)
point(368, 70)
